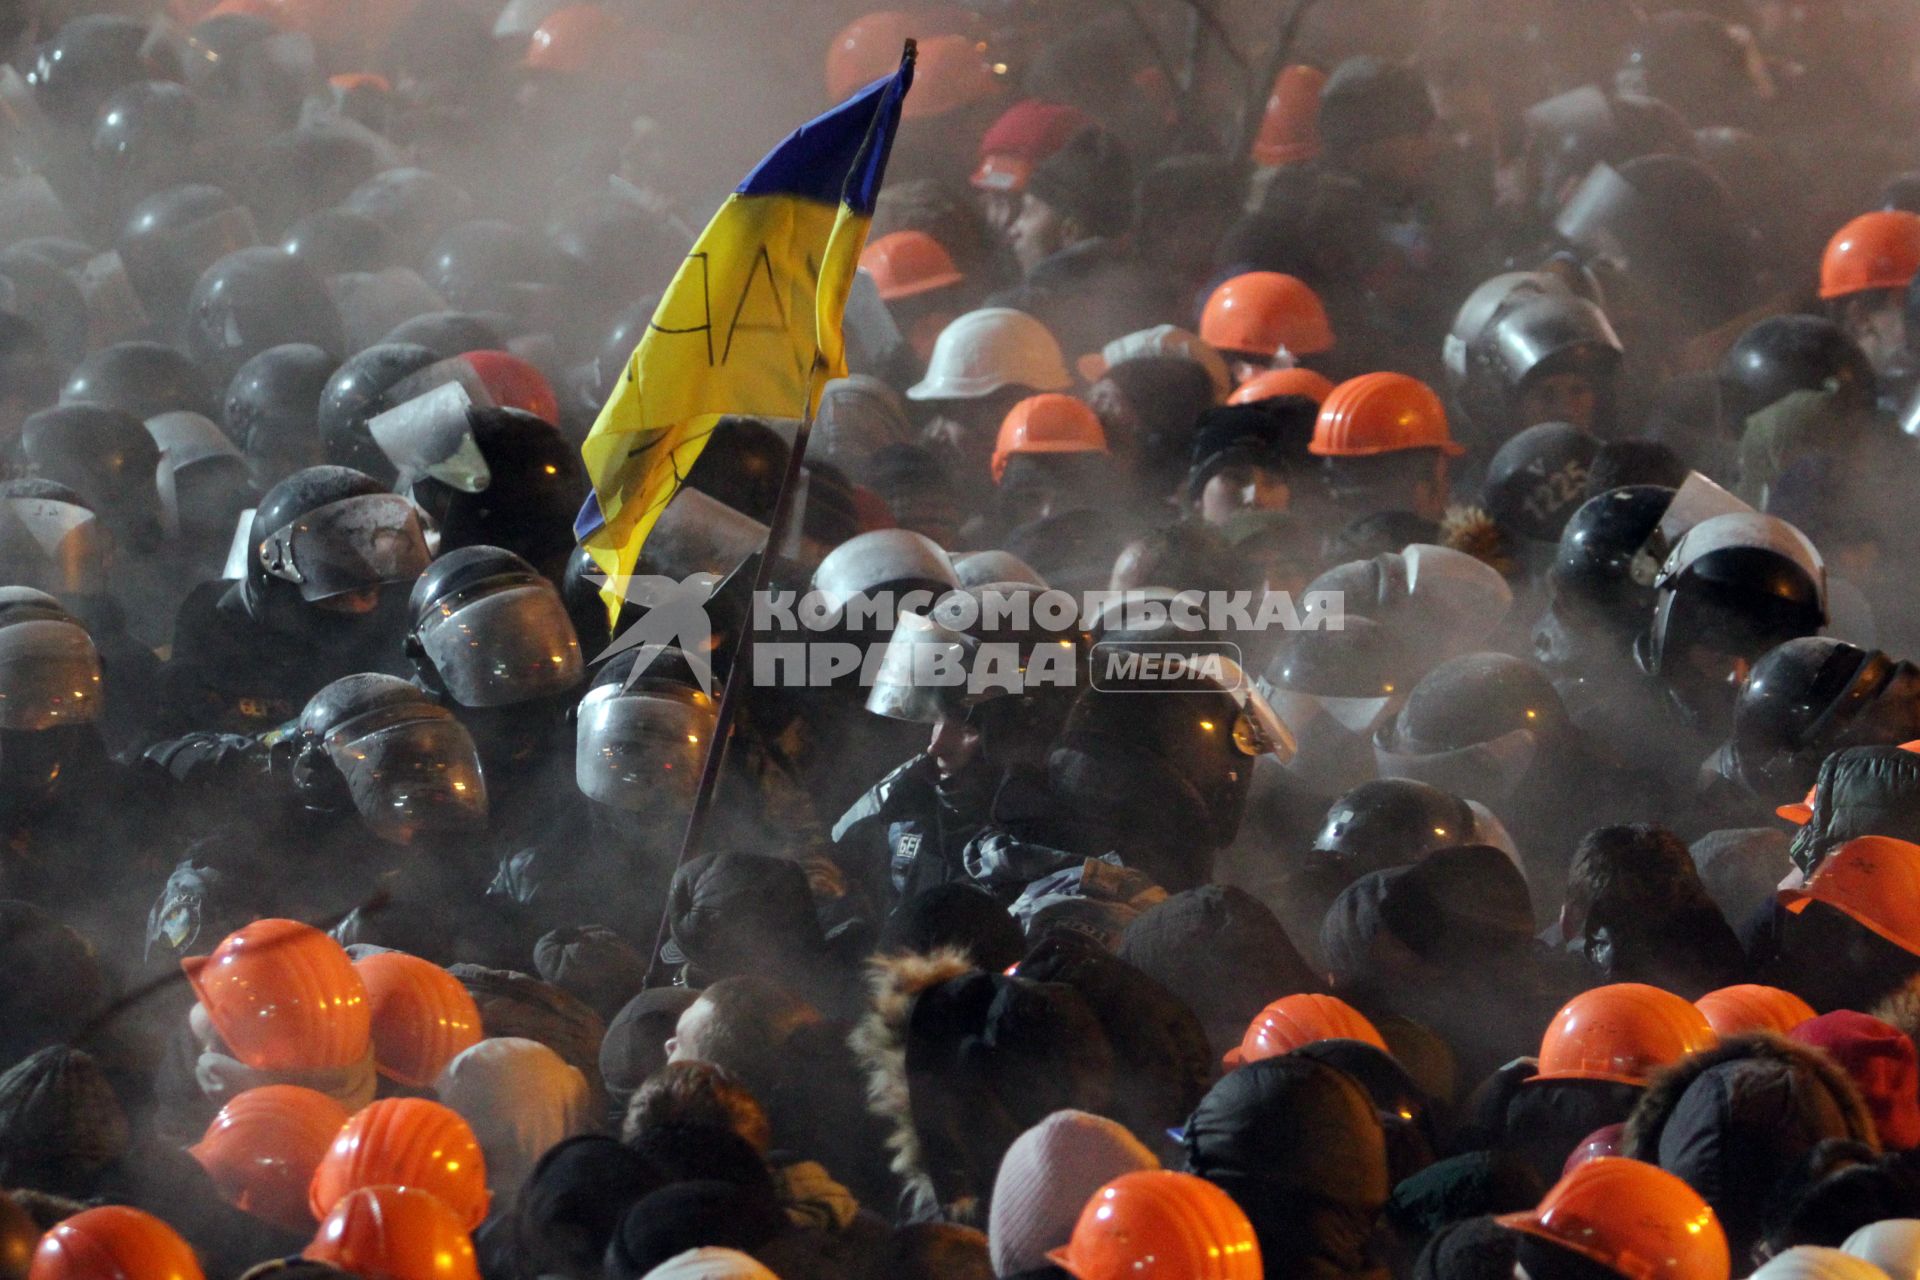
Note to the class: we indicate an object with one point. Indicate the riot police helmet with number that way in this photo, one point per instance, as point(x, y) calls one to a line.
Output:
point(488, 631)
point(378, 747)
point(328, 538)
point(1159, 770)
point(1733, 587)
point(1537, 480)
point(1811, 697)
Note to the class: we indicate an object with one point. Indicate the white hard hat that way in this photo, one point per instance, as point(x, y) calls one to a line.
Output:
point(1812, 1262)
point(983, 351)
point(1892, 1244)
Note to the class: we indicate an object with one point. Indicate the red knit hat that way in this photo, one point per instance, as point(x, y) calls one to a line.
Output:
point(1882, 1063)
point(1025, 134)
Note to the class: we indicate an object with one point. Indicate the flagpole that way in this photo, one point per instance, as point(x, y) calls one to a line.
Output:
point(732, 692)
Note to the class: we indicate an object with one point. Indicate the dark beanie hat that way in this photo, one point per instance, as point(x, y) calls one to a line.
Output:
point(1369, 99)
point(1089, 180)
point(593, 963)
point(690, 1215)
point(1273, 433)
point(636, 1041)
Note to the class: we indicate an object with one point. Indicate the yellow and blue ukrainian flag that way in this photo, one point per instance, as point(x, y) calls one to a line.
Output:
point(750, 325)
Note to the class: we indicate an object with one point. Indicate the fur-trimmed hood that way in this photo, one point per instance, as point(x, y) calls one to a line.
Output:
point(1662, 1098)
point(879, 1042)
point(1735, 1121)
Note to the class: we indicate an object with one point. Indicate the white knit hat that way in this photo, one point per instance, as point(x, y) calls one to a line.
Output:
point(710, 1264)
point(1046, 1179)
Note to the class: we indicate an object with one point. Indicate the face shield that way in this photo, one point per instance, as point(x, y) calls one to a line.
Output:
point(202, 479)
point(49, 676)
point(355, 544)
point(925, 673)
point(1258, 730)
point(412, 771)
point(54, 546)
point(495, 648)
point(430, 435)
point(640, 751)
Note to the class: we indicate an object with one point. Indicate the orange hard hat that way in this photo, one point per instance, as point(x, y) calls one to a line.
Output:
point(348, 81)
point(866, 49)
point(1290, 129)
point(1875, 882)
point(113, 1243)
point(262, 1149)
point(515, 383)
point(394, 1233)
point(1635, 1219)
point(1736, 1010)
point(1282, 382)
point(422, 1017)
point(1159, 1225)
point(1296, 1020)
point(1381, 413)
point(578, 38)
point(1879, 250)
point(284, 997)
point(1263, 313)
point(410, 1142)
point(906, 264)
point(951, 73)
point(1047, 424)
point(1624, 1033)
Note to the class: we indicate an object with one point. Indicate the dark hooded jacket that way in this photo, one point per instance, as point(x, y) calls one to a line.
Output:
point(1736, 1121)
point(1299, 1147)
point(1862, 791)
point(960, 1063)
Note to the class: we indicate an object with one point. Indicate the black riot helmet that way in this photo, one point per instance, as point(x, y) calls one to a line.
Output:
point(359, 391)
point(594, 379)
point(47, 298)
point(77, 70)
point(376, 745)
point(1811, 697)
point(580, 590)
point(144, 137)
point(1591, 578)
point(333, 241)
point(1135, 751)
point(255, 299)
point(1351, 672)
point(107, 457)
point(416, 205)
point(1784, 354)
point(742, 466)
point(1394, 822)
point(251, 71)
point(447, 333)
point(1549, 335)
point(639, 747)
point(535, 485)
point(489, 265)
point(612, 250)
point(203, 480)
point(487, 630)
point(324, 532)
point(1735, 586)
point(140, 378)
point(170, 239)
point(272, 410)
point(51, 702)
point(1538, 479)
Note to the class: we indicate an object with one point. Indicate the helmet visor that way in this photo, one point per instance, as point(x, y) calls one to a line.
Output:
point(49, 676)
point(430, 435)
point(53, 545)
point(503, 647)
point(924, 673)
point(412, 771)
point(641, 751)
point(351, 545)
